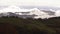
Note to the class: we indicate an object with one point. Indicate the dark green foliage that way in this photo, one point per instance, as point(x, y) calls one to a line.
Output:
point(34, 26)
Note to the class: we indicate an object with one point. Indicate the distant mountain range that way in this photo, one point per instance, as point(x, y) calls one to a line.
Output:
point(39, 7)
point(33, 12)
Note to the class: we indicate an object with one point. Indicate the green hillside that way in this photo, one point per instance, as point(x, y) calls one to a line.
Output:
point(33, 26)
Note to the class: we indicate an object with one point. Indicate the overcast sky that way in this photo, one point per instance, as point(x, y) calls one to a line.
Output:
point(55, 3)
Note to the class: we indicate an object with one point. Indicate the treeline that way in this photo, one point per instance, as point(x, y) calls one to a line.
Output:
point(34, 26)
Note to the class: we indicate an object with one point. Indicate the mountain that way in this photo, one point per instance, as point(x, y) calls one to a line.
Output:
point(41, 7)
point(49, 12)
point(8, 14)
point(35, 12)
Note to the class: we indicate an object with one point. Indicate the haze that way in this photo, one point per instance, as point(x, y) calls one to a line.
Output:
point(55, 3)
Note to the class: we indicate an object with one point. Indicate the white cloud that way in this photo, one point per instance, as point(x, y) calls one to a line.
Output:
point(36, 11)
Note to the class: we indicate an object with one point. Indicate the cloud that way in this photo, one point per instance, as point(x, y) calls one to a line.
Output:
point(57, 13)
point(41, 14)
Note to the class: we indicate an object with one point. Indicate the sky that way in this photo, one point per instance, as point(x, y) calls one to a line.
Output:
point(55, 3)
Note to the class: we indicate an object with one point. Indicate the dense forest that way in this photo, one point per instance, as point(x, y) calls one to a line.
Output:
point(33, 26)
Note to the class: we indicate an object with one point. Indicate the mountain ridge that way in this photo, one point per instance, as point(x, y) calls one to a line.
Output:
point(36, 11)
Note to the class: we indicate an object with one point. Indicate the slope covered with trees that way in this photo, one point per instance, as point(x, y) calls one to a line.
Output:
point(33, 26)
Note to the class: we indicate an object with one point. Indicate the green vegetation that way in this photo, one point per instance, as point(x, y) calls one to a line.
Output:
point(34, 26)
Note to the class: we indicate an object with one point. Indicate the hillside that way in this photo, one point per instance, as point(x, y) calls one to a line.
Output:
point(33, 26)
